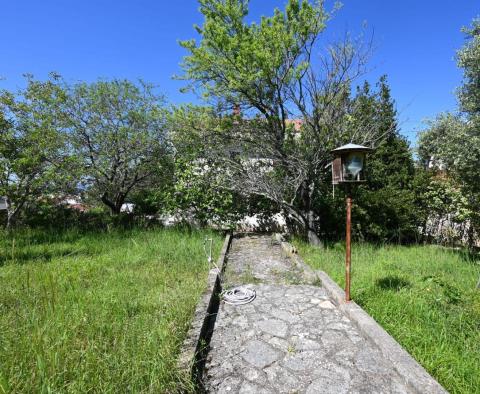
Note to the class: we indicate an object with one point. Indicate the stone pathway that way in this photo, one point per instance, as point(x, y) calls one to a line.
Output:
point(291, 338)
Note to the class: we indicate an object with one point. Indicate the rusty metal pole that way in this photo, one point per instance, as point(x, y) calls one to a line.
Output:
point(348, 257)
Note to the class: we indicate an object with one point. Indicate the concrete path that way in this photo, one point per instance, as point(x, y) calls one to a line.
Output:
point(291, 338)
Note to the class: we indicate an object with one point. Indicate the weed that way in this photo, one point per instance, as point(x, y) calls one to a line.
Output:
point(291, 349)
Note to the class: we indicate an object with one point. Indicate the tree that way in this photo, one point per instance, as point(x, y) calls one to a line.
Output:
point(391, 164)
point(468, 59)
point(466, 154)
point(118, 135)
point(451, 143)
point(386, 203)
point(199, 190)
point(271, 72)
point(32, 152)
point(444, 208)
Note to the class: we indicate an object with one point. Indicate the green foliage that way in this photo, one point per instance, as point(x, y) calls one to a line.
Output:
point(385, 207)
point(49, 215)
point(98, 312)
point(117, 130)
point(106, 139)
point(32, 152)
point(386, 215)
point(445, 143)
point(200, 189)
point(199, 193)
point(386, 204)
point(469, 60)
point(442, 205)
point(424, 296)
point(391, 163)
point(241, 63)
point(452, 146)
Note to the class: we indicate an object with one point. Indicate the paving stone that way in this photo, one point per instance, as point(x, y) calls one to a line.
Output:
point(284, 381)
point(335, 339)
point(249, 388)
point(280, 344)
point(241, 322)
point(277, 328)
point(301, 343)
point(287, 316)
point(329, 385)
point(303, 361)
point(260, 354)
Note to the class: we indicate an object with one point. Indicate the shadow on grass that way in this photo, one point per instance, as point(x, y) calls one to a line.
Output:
point(392, 282)
point(31, 256)
point(469, 256)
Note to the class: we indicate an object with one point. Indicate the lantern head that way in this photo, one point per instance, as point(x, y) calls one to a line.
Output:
point(349, 164)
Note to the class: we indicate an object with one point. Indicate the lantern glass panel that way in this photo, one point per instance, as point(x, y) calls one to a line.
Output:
point(354, 164)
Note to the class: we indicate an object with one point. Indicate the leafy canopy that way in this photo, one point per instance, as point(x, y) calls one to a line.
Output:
point(469, 60)
point(117, 131)
point(236, 61)
point(32, 152)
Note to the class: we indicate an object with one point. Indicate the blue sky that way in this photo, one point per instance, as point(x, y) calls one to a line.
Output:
point(84, 40)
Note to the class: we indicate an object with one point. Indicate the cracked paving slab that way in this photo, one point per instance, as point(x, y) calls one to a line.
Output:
point(291, 338)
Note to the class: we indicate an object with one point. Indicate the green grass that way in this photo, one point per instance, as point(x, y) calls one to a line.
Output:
point(97, 312)
point(424, 296)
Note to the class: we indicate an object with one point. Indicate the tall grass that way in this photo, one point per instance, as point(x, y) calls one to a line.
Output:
point(97, 312)
point(424, 296)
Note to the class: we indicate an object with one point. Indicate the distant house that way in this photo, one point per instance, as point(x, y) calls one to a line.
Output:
point(127, 208)
point(3, 204)
point(73, 202)
point(296, 123)
point(436, 164)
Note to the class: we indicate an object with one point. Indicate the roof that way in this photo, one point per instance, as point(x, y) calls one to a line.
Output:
point(352, 147)
point(297, 123)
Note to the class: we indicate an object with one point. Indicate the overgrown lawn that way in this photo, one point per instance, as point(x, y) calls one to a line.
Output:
point(424, 296)
point(97, 312)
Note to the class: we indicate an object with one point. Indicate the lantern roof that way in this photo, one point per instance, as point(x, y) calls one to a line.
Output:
point(352, 148)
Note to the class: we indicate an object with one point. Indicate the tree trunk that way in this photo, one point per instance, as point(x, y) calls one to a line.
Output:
point(11, 214)
point(10, 221)
point(115, 207)
point(312, 236)
point(304, 224)
point(306, 196)
point(471, 238)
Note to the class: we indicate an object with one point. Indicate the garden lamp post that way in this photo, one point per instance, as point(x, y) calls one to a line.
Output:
point(348, 169)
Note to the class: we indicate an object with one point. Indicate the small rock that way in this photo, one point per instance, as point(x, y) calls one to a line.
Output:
point(327, 305)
